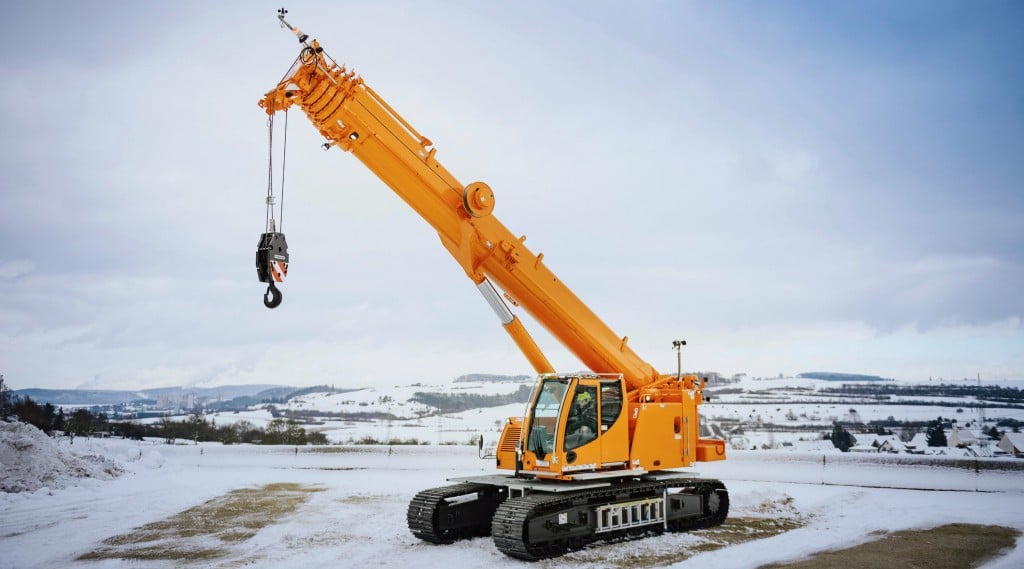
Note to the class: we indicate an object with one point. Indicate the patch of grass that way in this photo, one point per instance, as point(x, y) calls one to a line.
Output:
point(157, 553)
point(363, 499)
point(739, 530)
point(768, 519)
point(685, 545)
point(351, 447)
point(203, 532)
point(953, 546)
point(329, 468)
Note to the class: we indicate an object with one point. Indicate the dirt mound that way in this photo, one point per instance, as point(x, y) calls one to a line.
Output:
point(30, 460)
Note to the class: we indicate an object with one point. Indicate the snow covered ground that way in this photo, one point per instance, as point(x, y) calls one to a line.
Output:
point(824, 414)
point(30, 460)
point(349, 502)
point(797, 404)
point(358, 516)
point(795, 401)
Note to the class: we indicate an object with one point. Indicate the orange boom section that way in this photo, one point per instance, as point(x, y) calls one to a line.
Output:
point(351, 116)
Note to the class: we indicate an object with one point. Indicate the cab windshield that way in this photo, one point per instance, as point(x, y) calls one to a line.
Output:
point(544, 417)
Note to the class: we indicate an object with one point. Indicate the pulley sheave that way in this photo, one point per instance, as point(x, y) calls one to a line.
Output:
point(272, 265)
point(478, 199)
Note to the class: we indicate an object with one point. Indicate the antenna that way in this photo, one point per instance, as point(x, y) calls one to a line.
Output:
point(284, 24)
point(678, 346)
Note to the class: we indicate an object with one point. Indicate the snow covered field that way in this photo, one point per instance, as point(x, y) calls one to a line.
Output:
point(796, 402)
point(770, 412)
point(352, 512)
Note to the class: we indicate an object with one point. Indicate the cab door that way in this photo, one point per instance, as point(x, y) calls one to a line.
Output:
point(614, 423)
point(581, 443)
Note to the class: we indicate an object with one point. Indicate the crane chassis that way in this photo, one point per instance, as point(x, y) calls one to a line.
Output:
point(533, 520)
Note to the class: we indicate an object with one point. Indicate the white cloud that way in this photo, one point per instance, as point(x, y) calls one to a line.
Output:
point(686, 170)
point(15, 269)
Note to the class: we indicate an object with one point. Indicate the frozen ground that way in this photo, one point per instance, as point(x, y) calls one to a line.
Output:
point(348, 508)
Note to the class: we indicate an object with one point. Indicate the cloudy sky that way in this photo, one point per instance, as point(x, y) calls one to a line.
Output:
point(789, 186)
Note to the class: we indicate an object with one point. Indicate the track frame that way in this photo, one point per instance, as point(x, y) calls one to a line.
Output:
point(533, 519)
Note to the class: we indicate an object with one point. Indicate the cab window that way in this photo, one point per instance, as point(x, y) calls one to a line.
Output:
point(581, 425)
point(545, 416)
point(611, 403)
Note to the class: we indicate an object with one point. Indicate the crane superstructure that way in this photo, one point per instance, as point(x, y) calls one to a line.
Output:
point(592, 454)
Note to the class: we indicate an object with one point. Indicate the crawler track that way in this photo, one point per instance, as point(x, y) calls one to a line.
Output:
point(450, 513)
point(539, 526)
point(548, 524)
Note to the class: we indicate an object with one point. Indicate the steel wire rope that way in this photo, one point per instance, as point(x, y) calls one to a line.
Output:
point(284, 161)
point(270, 172)
point(270, 158)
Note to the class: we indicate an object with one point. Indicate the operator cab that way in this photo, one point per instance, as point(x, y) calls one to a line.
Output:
point(574, 425)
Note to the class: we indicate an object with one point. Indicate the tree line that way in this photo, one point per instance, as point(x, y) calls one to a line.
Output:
point(48, 418)
point(81, 422)
point(981, 392)
point(198, 429)
point(935, 431)
point(455, 402)
point(844, 440)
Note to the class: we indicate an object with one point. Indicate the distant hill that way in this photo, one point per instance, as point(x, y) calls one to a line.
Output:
point(80, 396)
point(115, 397)
point(832, 376)
point(491, 378)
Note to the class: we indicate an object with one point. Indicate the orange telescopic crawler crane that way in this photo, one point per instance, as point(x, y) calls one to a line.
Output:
point(592, 456)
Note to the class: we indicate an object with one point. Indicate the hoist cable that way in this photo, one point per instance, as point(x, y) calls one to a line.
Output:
point(270, 172)
point(284, 160)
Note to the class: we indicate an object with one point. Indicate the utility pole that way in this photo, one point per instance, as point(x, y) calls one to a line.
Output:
point(983, 437)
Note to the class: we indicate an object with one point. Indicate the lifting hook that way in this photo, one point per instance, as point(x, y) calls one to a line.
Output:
point(272, 298)
point(272, 265)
